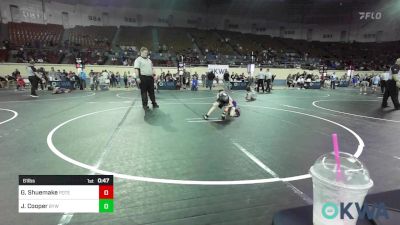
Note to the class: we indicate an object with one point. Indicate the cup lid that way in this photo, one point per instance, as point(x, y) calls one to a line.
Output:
point(354, 174)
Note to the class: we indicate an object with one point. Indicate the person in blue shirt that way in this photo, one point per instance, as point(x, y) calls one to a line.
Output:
point(82, 77)
point(195, 83)
point(375, 82)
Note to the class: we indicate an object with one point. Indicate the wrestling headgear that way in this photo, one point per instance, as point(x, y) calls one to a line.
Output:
point(223, 97)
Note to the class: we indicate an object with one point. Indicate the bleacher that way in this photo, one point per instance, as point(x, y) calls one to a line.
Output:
point(42, 43)
point(3, 55)
point(92, 36)
point(209, 42)
point(175, 40)
point(36, 35)
point(243, 44)
point(135, 36)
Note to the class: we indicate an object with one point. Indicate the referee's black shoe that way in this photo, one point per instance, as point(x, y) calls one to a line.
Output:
point(155, 106)
point(145, 107)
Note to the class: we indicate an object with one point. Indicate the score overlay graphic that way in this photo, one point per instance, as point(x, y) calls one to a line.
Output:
point(66, 194)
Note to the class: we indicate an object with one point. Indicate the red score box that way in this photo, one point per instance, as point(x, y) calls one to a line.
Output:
point(106, 191)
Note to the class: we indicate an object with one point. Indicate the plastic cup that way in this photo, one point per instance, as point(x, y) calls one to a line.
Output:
point(329, 192)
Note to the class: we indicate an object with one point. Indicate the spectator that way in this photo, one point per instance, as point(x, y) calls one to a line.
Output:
point(20, 83)
point(3, 82)
point(363, 85)
point(289, 81)
point(15, 74)
point(210, 80)
point(112, 79)
point(118, 79)
point(300, 82)
point(194, 86)
point(333, 80)
point(227, 83)
point(375, 82)
point(82, 77)
point(268, 78)
point(203, 79)
point(126, 80)
point(52, 74)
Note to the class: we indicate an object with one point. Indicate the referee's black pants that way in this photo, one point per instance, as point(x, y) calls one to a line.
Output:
point(268, 88)
point(34, 80)
point(147, 87)
point(383, 86)
point(260, 82)
point(393, 91)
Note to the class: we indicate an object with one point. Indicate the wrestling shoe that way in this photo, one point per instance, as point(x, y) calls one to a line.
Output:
point(205, 117)
point(223, 117)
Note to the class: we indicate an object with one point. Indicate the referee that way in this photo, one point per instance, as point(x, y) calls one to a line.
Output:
point(392, 87)
point(144, 69)
point(33, 78)
point(260, 81)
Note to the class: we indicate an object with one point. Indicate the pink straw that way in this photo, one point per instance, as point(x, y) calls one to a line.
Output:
point(337, 158)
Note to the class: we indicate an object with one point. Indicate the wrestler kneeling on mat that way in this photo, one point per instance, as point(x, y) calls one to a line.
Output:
point(227, 103)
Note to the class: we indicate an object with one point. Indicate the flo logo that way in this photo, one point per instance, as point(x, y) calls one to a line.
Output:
point(332, 211)
point(370, 15)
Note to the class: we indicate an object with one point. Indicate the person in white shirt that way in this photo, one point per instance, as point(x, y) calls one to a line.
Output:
point(268, 79)
point(52, 74)
point(105, 75)
point(384, 79)
point(363, 85)
point(333, 80)
point(300, 82)
point(260, 81)
point(144, 74)
point(392, 87)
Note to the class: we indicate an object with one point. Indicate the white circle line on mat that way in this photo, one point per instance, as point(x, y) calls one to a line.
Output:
point(189, 182)
point(13, 117)
point(351, 114)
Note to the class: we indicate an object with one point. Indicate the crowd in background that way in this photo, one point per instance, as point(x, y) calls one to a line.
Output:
point(198, 47)
point(187, 80)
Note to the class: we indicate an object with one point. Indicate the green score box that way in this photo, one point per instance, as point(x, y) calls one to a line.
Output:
point(106, 205)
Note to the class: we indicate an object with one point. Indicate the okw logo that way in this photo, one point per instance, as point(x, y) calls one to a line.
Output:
point(219, 71)
point(331, 211)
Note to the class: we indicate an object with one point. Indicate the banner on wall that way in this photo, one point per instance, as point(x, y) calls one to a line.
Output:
point(251, 68)
point(218, 70)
